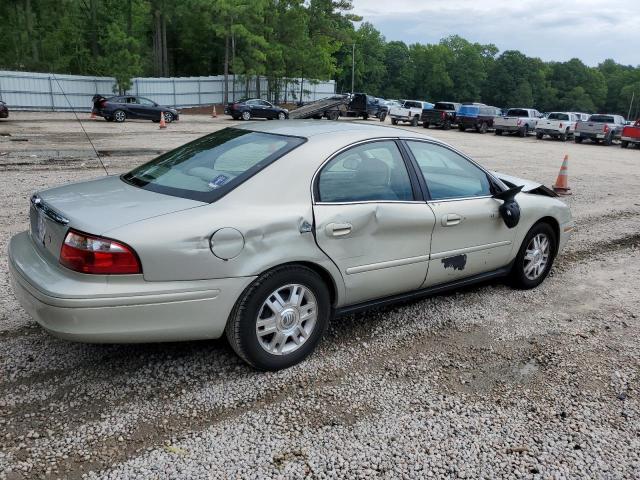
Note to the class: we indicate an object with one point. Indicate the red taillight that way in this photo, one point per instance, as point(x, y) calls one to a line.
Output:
point(605, 129)
point(519, 122)
point(442, 114)
point(560, 124)
point(101, 256)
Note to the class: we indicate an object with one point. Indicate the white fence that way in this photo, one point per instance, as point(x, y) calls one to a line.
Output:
point(56, 92)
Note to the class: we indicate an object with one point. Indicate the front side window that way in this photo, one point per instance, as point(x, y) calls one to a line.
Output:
point(447, 174)
point(145, 101)
point(370, 172)
point(209, 167)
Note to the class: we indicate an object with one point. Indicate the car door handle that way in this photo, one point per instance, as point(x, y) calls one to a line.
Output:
point(338, 229)
point(451, 220)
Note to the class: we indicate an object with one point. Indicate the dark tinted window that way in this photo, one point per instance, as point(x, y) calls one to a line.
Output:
point(369, 172)
point(601, 118)
point(210, 167)
point(448, 174)
point(558, 116)
point(517, 112)
point(444, 106)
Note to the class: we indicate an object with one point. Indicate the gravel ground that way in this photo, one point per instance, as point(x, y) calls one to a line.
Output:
point(487, 382)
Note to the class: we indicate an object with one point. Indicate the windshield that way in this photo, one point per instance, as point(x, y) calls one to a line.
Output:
point(601, 119)
point(210, 167)
point(517, 112)
point(558, 116)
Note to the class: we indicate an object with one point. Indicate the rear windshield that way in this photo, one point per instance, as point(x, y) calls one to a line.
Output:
point(210, 167)
point(444, 106)
point(517, 112)
point(601, 119)
point(558, 116)
point(468, 111)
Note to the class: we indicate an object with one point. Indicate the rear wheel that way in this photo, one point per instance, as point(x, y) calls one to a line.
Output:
point(624, 144)
point(280, 318)
point(446, 125)
point(535, 257)
point(383, 116)
point(564, 135)
point(577, 139)
point(539, 135)
point(462, 129)
point(608, 140)
point(246, 115)
point(498, 132)
point(414, 121)
point(524, 131)
point(119, 116)
point(425, 124)
point(484, 127)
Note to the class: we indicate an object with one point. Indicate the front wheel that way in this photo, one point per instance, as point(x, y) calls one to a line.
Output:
point(414, 121)
point(282, 116)
point(394, 121)
point(119, 116)
point(168, 117)
point(577, 139)
point(425, 124)
point(535, 257)
point(383, 116)
point(280, 318)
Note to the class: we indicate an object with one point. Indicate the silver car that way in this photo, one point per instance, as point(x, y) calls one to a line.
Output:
point(265, 232)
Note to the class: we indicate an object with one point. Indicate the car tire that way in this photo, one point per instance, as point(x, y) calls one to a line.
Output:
point(539, 135)
point(268, 351)
point(609, 140)
point(498, 132)
point(282, 116)
point(524, 131)
point(577, 139)
point(383, 116)
point(563, 137)
point(624, 144)
point(484, 127)
point(394, 121)
point(446, 125)
point(246, 115)
point(119, 116)
point(168, 117)
point(532, 265)
point(425, 124)
point(462, 129)
point(414, 121)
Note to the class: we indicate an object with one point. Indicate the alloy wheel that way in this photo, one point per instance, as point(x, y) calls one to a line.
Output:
point(286, 319)
point(536, 256)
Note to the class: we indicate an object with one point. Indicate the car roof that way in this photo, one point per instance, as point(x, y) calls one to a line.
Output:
point(313, 128)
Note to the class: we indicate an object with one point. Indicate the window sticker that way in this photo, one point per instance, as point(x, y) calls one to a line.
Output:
point(219, 181)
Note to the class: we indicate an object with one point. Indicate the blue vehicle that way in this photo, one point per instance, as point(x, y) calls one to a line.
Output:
point(478, 116)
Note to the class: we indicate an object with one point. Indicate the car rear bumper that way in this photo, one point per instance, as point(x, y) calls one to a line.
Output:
point(509, 128)
point(631, 139)
point(118, 309)
point(4, 113)
point(599, 136)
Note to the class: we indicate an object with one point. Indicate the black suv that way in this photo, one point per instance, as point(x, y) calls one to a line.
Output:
point(121, 107)
point(443, 114)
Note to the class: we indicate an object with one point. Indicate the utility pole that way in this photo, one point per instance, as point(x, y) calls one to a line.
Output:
point(631, 105)
point(353, 66)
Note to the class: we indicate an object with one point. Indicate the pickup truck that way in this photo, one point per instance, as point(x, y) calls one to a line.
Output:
point(557, 125)
point(599, 127)
point(631, 135)
point(409, 111)
point(443, 114)
point(518, 120)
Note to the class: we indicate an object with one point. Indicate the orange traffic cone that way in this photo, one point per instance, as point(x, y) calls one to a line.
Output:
point(163, 124)
point(214, 113)
point(561, 186)
point(93, 115)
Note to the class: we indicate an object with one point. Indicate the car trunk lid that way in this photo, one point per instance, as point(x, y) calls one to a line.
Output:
point(95, 207)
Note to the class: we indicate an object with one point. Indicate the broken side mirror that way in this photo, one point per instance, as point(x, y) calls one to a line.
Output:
point(509, 210)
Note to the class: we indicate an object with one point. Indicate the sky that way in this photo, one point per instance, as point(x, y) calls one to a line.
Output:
point(591, 30)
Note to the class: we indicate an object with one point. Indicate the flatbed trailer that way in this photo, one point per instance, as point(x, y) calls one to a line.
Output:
point(329, 107)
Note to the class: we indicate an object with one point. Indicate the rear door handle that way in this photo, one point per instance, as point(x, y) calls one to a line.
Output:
point(338, 229)
point(451, 220)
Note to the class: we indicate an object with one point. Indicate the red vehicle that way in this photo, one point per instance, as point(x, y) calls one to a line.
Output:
point(631, 134)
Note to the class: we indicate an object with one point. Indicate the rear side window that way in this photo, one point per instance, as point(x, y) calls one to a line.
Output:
point(517, 112)
point(210, 167)
point(444, 106)
point(448, 175)
point(373, 171)
point(601, 118)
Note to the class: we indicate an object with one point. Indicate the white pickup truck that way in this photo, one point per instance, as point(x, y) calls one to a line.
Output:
point(410, 111)
point(517, 120)
point(560, 125)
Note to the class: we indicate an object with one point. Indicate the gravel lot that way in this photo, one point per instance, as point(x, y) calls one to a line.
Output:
point(487, 382)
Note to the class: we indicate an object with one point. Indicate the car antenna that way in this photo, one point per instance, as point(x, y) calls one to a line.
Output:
point(81, 126)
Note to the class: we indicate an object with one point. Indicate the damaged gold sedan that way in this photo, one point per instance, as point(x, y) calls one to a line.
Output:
point(266, 231)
